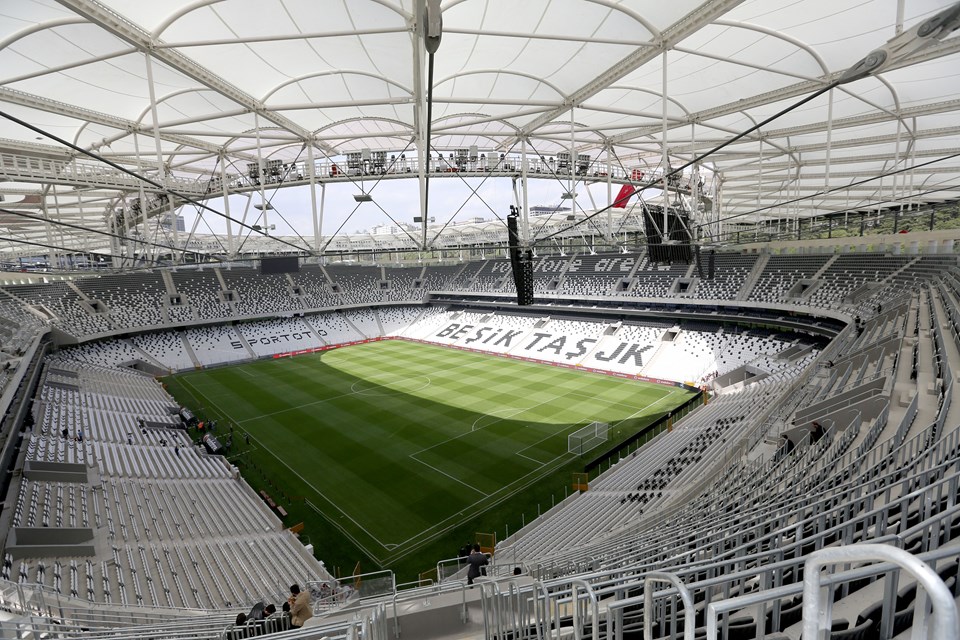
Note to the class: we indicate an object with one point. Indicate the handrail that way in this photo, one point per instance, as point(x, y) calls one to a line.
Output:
point(689, 615)
point(853, 461)
point(715, 609)
point(868, 517)
point(594, 608)
point(945, 617)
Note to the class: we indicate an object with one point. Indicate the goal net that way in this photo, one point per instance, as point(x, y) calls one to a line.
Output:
point(587, 438)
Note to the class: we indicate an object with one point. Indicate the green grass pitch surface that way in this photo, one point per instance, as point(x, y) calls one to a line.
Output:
point(394, 453)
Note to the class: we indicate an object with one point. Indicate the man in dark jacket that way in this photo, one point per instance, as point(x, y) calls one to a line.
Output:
point(475, 560)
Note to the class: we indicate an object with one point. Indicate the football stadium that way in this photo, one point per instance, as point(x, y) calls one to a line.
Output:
point(480, 320)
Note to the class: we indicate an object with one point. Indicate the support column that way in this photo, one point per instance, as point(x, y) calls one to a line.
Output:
point(66, 259)
point(312, 176)
point(789, 180)
point(826, 166)
point(422, 159)
point(260, 168)
point(796, 193)
point(83, 218)
point(156, 139)
point(896, 165)
point(52, 258)
point(573, 165)
point(756, 218)
point(695, 186)
point(525, 208)
point(323, 197)
point(226, 203)
point(420, 123)
point(610, 196)
point(664, 160)
point(193, 230)
point(717, 193)
point(143, 201)
point(176, 231)
point(913, 163)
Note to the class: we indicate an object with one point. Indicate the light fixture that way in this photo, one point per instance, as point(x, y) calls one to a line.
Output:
point(263, 206)
point(567, 195)
point(363, 197)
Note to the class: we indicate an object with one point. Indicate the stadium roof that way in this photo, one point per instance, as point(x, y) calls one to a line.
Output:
point(208, 86)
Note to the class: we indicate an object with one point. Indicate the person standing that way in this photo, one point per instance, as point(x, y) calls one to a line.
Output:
point(476, 560)
point(816, 431)
point(300, 606)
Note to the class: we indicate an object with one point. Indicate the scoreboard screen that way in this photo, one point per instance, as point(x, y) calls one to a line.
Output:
point(286, 264)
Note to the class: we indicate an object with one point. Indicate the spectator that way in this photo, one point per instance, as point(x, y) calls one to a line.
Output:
point(517, 571)
point(300, 609)
point(241, 619)
point(783, 448)
point(816, 431)
point(256, 613)
point(476, 560)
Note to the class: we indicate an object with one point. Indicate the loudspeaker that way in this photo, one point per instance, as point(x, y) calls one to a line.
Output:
point(521, 261)
point(525, 288)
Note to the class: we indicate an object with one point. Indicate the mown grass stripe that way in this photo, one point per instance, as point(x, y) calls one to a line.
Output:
point(400, 436)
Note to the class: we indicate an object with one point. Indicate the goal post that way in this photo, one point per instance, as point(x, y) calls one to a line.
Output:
point(487, 542)
point(587, 438)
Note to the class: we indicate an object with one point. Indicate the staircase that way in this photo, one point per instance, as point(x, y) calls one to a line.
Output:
point(753, 276)
point(826, 265)
point(189, 350)
point(310, 326)
point(168, 282)
point(243, 341)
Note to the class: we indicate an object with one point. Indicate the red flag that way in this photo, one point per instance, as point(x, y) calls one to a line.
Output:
point(626, 191)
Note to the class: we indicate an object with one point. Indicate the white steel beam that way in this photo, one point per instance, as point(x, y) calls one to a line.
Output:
point(113, 23)
point(703, 15)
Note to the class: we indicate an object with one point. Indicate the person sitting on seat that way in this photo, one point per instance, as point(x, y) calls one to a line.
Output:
point(300, 609)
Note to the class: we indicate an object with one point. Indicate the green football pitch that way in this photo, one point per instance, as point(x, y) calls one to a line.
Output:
point(397, 443)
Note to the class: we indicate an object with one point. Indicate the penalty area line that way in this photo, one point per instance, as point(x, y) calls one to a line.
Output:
point(455, 479)
point(519, 452)
point(529, 458)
